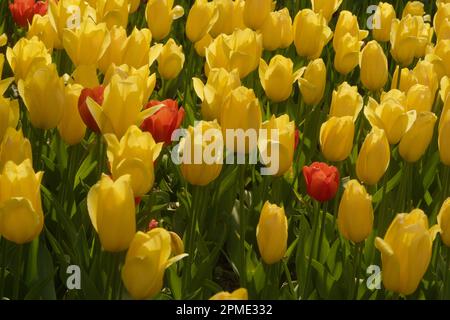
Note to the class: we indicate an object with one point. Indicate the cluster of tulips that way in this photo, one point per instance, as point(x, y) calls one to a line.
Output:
point(93, 93)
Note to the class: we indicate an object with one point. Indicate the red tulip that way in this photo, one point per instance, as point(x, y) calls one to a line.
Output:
point(164, 122)
point(153, 224)
point(24, 10)
point(97, 95)
point(322, 181)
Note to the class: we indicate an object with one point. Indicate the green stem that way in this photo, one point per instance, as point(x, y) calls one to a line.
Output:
point(289, 278)
point(322, 215)
point(358, 250)
point(311, 249)
point(18, 273)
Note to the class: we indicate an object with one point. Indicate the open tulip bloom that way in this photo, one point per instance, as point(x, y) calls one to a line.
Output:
point(224, 150)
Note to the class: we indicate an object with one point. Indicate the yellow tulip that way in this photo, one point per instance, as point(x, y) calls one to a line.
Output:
point(134, 155)
point(149, 255)
point(114, 53)
point(419, 98)
point(383, 20)
point(312, 82)
point(413, 8)
point(336, 138)
point(14, 147)
point(137, 49)
point(237, 19)
point(213, 93)
point(441, 22)
point(197, 167)
point(425, 73)
point(9, 109)
point(326, 7)
point(72, 128)
point(442, 50)
point(255, 12)
point(355, 215)
point(134, 5)
point(27, 54)
point(445, 88)
point(444, 222)
point(272, 233)
point(407, 79)
point(277, 78)
point(160, 15)
point(374, 66)
point(112, 212)
point(346, 101)
point(416, 140)
point(170, 59)
point(42, 28)
point(87, 44)
point(241, 101)
point(239, 294)
point(406, 251)
point(374, 157)
point(277, 31)
point(21, 216)
point(311, 34)
point(347, 23)
point(113, 12)
point(444, 137)
point(285, 140)
point(86, 76)
point(201, 45)
point(42, 92)
point(438, 63)
point(202, 16)
point(347, 54)
point(224, 24)
point(394, 95)
point(3, 39)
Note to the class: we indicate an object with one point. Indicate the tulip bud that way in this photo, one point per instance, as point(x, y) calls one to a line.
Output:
point(407, 236)
point(413, 8)
point(224, 24)
point(114, 53)
point(14, 147)
point(137, 50)
point(202, 16)
point(239, 294)
point(443, 219)
point(441, 22)
point(112, 12)
point(312, 82)
point(346, 101)
point(347, 24)
point(347, 54)
point(43, 94)
point(241, 101)
point(427, 76)
point(381, 30)
point(255, 12)
point(112, 212)
point(419, 98)
point(277, 30)
point(407, 79)
point(272, 233)
point(170, 59)
point(277, 78)
point(21, 216)
point(149, 255)
point(417, 139)
point(322, 181)
point(160, 15)
point(326, 7)
point(212, 94)
point(72, 128)
point(355, 216)
point(444, 137)
point(336, 138)
point(374, 157)
point(311, 34)
point(197, 167)
point(374, 66)
point(41, 28)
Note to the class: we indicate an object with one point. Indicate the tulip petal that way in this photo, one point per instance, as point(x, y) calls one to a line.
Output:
point(198, 87)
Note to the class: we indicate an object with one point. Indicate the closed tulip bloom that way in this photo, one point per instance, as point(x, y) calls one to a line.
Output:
point(355, 215)
point(272, 233)
point(237, 18)
point(112, 212)
point(202, 16)
point(137, 49)
point(407, 79)
point(134, 155)
point(347, 23)
point(224, 24)
point(417, 139)
point(149, 255)
point(42, 28)
point(413, 8)
point(14, 147)
point(419, 98)
point(406, 251)
point(239, 294)
point(326, 7)
point(21, 216)
point(241, 101)
point(425, 73)
point(443, 219)
point(441, 21)
point(212, 94)
point(442, 50)
point(347, 54)
point(374, 157)
point(277, 31)
point(255, 12)
point(43, 94)
point(164, 121)
point(311, 34)
point(336, 138)
point(27, 54)
point(312, 82)
point(160, 15)
point(170, 59)
point(285, 140)
point(322, 181)
point(71, 127)
point(112, 12)
point(374, 66)
point(382, 22)
point(390, 116)
point(438, 63)
point(346, 101)
point(198, 166)
point(277, 78)
point(444, 137)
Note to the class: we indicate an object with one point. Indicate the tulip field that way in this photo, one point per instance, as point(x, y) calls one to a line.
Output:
point(224, 149)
